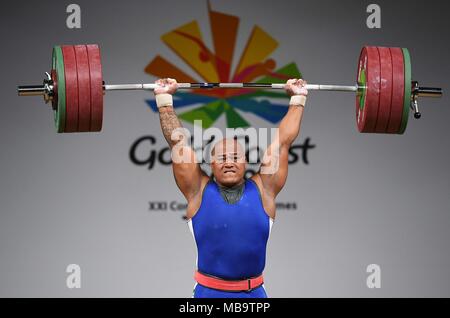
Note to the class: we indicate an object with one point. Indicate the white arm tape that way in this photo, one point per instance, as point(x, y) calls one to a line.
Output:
point(163, 100)
point(298, 100)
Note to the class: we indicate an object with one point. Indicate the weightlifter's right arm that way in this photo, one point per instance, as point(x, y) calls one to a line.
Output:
point(188, 174)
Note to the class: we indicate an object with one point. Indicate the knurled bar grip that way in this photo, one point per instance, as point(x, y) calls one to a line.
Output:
point(231, 85)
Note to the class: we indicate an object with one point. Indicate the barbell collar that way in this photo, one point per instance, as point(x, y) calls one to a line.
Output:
point(429, 92)
point(418, 91)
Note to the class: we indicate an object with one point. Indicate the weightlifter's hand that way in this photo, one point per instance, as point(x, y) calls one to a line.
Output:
point(166, 86)
point(296, 88)
point(164, 90)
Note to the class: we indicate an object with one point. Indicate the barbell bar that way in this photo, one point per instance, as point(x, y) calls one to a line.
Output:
point(37, 90)
point(384, 89)
point(40, 90)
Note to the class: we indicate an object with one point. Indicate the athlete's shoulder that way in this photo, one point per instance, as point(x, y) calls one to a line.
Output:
point(267, 202)
point(256, 180)
point(196, 201)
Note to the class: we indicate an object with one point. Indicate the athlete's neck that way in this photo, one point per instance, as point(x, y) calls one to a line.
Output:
point(232, 194)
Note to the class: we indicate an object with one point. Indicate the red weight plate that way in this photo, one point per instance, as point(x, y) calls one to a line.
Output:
point(398, 88)
point(70, 74)
point(84, 88)
point(367, 108)
point(55, 89)
point(95, 69)
point(384, 107)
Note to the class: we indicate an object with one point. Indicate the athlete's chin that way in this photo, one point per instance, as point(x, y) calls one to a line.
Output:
point(230, 180)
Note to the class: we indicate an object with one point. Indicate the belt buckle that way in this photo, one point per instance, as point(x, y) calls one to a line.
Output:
point(249, 285)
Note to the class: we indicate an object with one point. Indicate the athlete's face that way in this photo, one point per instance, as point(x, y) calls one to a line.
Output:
point(228, 162)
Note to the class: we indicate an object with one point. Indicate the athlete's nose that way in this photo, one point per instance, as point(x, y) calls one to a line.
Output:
point(228, 166)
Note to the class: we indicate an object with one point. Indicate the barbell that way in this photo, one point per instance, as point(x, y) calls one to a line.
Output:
point(384, 89)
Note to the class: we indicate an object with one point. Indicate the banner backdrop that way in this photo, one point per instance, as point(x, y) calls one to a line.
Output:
point(99, 215)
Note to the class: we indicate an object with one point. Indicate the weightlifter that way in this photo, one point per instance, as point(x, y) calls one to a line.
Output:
point(230, 216)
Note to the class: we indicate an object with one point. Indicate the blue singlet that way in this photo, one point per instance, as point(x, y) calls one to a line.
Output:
point(231, 239)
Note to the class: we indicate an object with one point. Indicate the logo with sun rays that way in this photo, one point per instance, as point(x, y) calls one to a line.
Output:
point(255, 65)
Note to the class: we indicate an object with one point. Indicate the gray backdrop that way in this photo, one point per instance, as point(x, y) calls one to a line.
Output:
point(363, 199)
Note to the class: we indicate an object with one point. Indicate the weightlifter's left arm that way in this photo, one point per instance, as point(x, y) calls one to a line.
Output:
point(274, 167)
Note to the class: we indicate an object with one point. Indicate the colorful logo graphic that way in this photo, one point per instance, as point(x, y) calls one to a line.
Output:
point(255, 65)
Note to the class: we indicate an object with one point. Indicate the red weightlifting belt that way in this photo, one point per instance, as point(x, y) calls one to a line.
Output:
point(228, 285)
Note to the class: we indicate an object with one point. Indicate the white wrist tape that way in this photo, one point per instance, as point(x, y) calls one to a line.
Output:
point(163, 100)
point(298, 100)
